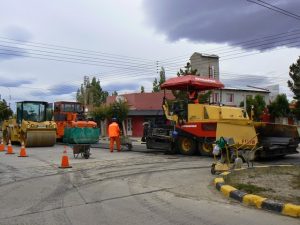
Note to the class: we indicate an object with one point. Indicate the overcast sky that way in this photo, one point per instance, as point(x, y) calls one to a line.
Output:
point(46, 47)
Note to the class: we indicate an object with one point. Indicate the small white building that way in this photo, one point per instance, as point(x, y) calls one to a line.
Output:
point(234, 96)
point(208, 66)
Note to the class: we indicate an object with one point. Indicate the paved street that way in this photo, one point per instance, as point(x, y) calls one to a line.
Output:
point(117, 188)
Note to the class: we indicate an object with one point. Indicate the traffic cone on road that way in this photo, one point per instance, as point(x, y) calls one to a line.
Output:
point(65, 160)
point(10, 150)
point(23, 151)
point(2, 147)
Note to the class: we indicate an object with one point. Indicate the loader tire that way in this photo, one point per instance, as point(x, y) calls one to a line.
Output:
point(186, 146)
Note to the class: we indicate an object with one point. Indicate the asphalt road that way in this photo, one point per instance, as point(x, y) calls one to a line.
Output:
point(118, 188)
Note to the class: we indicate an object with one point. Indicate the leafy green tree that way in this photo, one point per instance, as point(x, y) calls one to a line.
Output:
point(187, 71)
point(294, 85)
point(258, 103)
point(162, 79)
point(115, 93)
point(156, 87)
point(119, 110)
point(5, 111)
point(91, 93)
point(142, 89)
point(99, 113)
point(279, 107)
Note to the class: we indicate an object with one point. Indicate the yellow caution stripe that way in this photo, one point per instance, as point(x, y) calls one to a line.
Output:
point(291, 210)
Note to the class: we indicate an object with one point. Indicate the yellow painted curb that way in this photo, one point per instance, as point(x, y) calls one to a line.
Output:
point(256, 200)
point(225, 173)
point(226, 189)
point(218, 180)
point(291, 210)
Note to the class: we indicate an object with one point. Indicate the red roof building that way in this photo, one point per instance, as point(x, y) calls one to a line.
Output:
point(143, 107)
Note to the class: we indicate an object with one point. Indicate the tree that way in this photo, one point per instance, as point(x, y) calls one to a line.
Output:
point(91, 93)
point(162, 79)
point(5, 111)
point(142, 89)
point(188, 70)
point(115, 93)
point(279, 107)
point(258, 104)
point(156, 87)
point(294, 85)
point(99, 113)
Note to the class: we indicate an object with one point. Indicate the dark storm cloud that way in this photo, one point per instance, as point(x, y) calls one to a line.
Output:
point(4, 82)
point(62, 89)
point(229, 21)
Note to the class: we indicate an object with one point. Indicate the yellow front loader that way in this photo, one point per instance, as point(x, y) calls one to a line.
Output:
point(33, 125)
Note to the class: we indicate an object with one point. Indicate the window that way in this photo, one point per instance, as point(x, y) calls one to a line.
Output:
point(216, 97)
point(229, 97)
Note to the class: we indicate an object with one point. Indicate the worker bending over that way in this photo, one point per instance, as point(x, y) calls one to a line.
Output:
point(114, 135)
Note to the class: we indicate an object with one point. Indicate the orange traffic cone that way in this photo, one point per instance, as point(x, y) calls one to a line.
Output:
point(23, 151)
point(2, 147)
point(65, 160)
point(10, 150)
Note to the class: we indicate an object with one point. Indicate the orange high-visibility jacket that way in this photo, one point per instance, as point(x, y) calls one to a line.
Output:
point(113, 130)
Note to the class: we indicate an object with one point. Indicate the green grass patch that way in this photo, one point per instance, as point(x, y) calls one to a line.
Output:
point(250, 188)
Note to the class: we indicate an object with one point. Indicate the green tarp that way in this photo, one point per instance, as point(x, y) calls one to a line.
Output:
point(84, 135)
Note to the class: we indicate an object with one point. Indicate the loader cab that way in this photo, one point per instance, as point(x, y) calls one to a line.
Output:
point(34, 111)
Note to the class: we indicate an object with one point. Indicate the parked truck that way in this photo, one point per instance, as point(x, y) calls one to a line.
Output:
point(195, 127)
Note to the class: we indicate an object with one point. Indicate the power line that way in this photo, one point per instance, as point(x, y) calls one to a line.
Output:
point(243, 43)
point(70, 49)
point(275, 8)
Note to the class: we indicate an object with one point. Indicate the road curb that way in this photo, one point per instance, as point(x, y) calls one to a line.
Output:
point(259, 202)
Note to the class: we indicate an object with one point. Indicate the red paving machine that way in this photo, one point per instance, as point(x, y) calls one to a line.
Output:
point(196, 127)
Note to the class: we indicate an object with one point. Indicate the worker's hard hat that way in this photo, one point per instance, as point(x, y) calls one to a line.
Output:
point(114, 119)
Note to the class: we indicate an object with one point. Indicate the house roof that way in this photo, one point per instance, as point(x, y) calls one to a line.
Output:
point(245, 89)
point(143, 101)
point(205, 55)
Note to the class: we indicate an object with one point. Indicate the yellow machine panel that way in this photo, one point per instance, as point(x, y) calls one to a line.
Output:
point(242, 134)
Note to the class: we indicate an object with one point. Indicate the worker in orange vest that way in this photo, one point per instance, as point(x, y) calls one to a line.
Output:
point(193, 96)
point(114, 135)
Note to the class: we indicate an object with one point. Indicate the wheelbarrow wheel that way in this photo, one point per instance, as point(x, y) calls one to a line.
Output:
point(86, 155)
point(129, 147)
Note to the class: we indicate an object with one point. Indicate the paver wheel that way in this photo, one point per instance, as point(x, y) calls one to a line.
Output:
point(205, 149)
point(186, 146)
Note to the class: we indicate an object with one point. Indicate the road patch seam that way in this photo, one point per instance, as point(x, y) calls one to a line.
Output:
point(256, 200)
